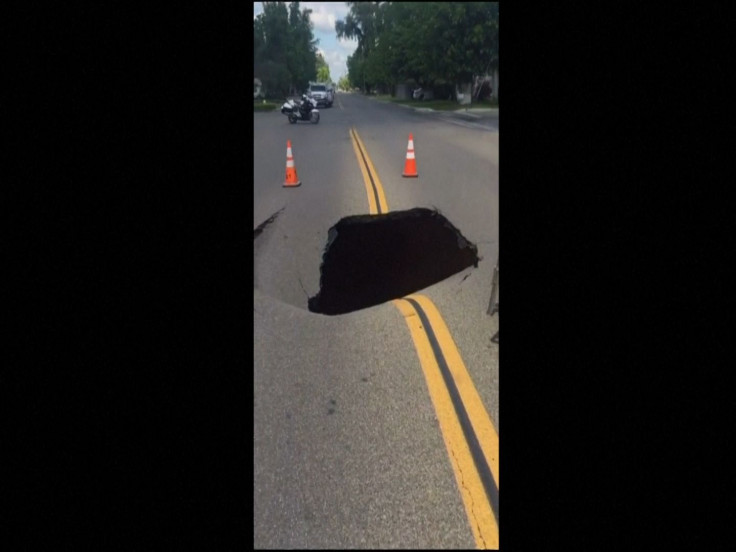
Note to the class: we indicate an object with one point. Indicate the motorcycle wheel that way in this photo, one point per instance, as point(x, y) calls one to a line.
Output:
point(315, 118)
point(292, 119)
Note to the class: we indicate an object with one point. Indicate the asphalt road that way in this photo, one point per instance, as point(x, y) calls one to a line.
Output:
point(351, 443)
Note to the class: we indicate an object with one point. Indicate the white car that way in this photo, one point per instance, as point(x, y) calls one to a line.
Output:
point(321, 93)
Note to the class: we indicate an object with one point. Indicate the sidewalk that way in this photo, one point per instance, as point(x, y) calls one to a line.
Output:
point(477, 112)
point(467, 113)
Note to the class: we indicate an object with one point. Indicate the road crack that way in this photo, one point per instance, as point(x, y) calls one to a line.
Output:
point(259, 229)
point(299, 277)
point(472, 504)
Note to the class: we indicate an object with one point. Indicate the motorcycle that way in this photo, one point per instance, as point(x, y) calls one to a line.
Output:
point(306, 110)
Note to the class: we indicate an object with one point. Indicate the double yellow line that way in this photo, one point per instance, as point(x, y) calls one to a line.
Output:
point(470, 437)
point(376, 197)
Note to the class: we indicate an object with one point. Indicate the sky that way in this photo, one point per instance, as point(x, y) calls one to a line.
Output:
point(324, 15)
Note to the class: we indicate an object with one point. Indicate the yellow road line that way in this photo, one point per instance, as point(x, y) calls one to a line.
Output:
point(376, 198)
point(479, 416)
point(467, 429)
point(366, 179)
point(469, 435)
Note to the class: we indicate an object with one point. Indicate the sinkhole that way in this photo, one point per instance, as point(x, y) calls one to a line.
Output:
point(371, 259)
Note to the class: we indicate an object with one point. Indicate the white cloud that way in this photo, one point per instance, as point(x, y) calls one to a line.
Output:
point(337, 62)
point(348, 45)
point(338, 9)
point(324, 22)
point(325, 14)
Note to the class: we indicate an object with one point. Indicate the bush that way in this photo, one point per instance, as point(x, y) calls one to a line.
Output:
point(485, 102)
point(275, 78)
point(444, 91)
point(260, 106)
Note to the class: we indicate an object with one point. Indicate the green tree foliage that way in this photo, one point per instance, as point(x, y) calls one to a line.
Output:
point(355, 69)
point(323, 74)
point(323, 70)
point(427, 42)
point(361, 24)
point(284, 48)
point(344, 83)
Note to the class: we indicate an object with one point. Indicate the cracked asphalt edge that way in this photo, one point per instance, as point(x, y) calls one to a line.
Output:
point(472, 502)
point(259, 229)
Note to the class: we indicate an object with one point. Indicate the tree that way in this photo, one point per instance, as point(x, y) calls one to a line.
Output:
point(472, 39)
point(284, 48)
point(344, 83)
point(427, 42)
point(302, 49)
point(361, 24)
point(323, 70)
point(355, 69)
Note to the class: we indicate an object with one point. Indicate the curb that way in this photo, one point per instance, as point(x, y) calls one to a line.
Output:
point(464, 116)
point(480, 111)
point(463, 112)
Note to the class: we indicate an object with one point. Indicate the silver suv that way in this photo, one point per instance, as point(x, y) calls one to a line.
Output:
point(321, 93)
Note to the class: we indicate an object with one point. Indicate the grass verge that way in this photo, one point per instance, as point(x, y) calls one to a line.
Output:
point(485, 103)
point(261, 106)
point(439, 105)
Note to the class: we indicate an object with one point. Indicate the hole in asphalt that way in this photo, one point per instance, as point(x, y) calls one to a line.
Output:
point(371, 259)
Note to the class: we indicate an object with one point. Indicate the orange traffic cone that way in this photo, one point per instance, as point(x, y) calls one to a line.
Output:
point(291, 179)
point(410, 167)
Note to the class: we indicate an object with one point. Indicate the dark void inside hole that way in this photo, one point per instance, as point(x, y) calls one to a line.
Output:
point(371, 259)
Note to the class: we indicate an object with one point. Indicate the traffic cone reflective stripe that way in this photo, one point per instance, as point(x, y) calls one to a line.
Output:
point(410, 167)
point(291, 178)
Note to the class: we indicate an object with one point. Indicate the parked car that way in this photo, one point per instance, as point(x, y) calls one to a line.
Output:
point(321, 93)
